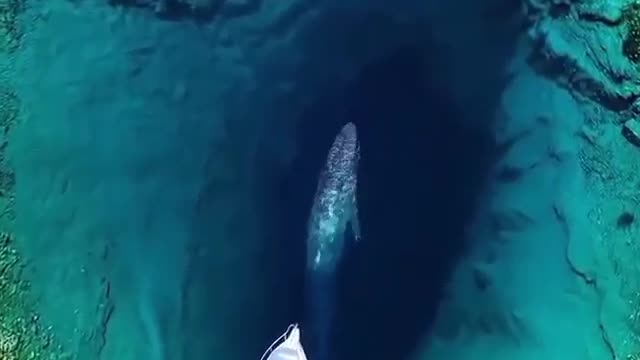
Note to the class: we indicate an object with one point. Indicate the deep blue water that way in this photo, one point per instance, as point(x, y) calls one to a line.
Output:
point(420, 175)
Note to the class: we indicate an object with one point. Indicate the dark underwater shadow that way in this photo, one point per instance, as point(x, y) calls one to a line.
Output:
point(420, 175)
point(421, 172)
point(424, 163)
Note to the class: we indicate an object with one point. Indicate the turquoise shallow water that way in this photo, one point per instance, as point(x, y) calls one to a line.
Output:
point(166, 152)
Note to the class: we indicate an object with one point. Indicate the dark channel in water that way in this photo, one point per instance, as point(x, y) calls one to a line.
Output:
point(420, 175)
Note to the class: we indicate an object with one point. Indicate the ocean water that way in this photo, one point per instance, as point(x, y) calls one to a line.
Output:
point(160, 158)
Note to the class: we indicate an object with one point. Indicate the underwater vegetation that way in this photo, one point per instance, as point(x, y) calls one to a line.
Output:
point(22, 334)
point(10, 32)
point(631, 42)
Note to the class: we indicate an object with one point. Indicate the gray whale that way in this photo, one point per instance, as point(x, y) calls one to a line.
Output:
point(334, 208)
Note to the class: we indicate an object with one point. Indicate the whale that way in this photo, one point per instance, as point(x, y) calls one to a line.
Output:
point(333, 214)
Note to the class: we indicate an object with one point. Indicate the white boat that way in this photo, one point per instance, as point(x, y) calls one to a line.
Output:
point(286, 347)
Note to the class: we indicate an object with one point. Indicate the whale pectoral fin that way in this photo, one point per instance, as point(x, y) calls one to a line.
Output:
point(355, 227)
point(355, 221)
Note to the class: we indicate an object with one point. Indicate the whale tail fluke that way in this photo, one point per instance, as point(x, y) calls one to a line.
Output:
point(286, 347)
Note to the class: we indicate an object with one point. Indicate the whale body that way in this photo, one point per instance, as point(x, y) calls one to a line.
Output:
point(334, 211)
point(335, 204)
